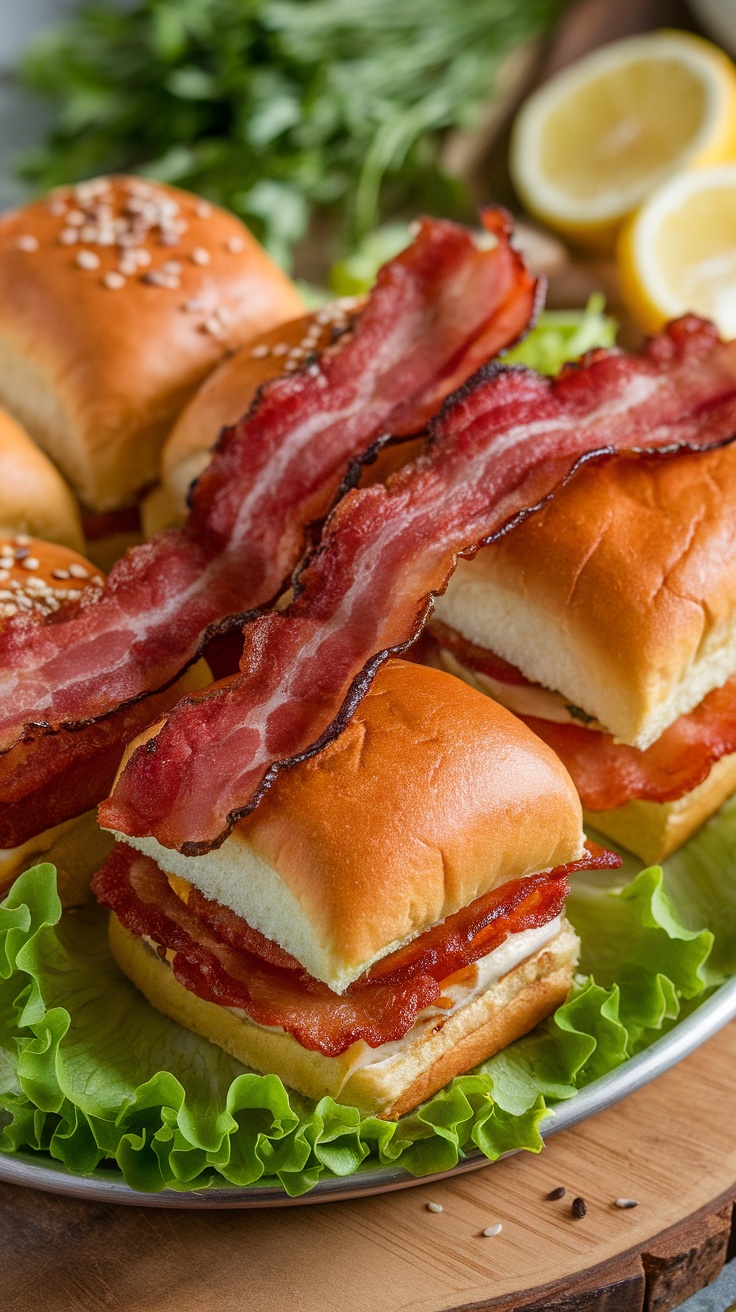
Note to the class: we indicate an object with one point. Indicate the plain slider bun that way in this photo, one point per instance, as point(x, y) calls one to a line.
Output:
point(431, 796)
point(430, 1055)
point(226, 395)
point(117, 297)
point(34, 499)
point(620, 594)
point(43, 578)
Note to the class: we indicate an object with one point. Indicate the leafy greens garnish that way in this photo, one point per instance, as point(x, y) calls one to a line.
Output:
point(277, 108)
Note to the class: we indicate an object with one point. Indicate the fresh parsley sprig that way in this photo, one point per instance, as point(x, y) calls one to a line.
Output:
point(276, 108)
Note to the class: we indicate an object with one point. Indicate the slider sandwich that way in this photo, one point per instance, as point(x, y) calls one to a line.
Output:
point(117, 297)
point(389, 916)
point(608, 622)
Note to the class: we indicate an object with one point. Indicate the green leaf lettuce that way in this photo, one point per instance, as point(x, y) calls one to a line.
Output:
point(90, 1073)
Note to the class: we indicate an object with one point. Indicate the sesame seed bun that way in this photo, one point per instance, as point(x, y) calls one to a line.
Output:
point(117, 297)
point(41, 577)
point(226, 396)
point(34, 498)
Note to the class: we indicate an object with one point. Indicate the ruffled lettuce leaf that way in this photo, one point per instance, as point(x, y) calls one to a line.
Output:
point(91, 1074)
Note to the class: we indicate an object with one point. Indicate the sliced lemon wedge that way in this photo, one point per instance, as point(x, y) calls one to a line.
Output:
point(678, 253)
point(589, 145)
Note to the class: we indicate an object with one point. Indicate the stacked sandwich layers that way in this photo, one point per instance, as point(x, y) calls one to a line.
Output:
point(607, 623)
point(390, 915)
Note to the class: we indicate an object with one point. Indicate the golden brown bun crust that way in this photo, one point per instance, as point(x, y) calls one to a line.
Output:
point(97, 373)
point(620, 593)
point(505, 1011)
point(431, 796)
point(654, 830)
point(227, 394)
point(33, 496)
point(41, 576)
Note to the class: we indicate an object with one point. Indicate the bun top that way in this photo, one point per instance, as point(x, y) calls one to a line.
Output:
point(620, 593)
point(227, 394)
point(41, 577)
point(431, 796)
point(117, 297)
point(33, 496)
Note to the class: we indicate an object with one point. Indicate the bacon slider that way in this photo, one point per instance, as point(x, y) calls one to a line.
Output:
point(389, 916)
point(608, 621)
point(117, 297)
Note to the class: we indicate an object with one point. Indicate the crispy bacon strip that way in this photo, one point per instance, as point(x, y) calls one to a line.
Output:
point(222, 959)
point(498, 450)
point(439, 310)
point(608, 774)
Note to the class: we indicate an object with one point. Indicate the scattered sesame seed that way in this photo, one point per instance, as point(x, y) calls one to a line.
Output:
point(128, 268)
point(554, 1194)
point(68, 236)
point(260, 352)
point(87, 260)
point(114, 281)
point(193, 306)
point(158, 279)
point(280, 348)
point(579, 1208)
point(57, 208)
point(203, 210)
point(22, 540)
point(291, 366)
point(213, 326)
point(172, 267)
point(141, 257)
point(27, 242)
point(89, 233)
point(235, 245)
point(75, 219)
point(200, 255)
point(491, 1230)
point(31, 562)
point(626, 1203)
point(4, 575)
point(78, 571)
point(60, 573)
point(8, 609)
point(435, 1207)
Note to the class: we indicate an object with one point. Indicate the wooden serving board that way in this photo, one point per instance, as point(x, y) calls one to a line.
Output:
point(671, 1145)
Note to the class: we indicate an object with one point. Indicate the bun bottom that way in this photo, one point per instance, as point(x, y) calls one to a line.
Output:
point(77, 848)
point(654, 830)
point(506, 1010)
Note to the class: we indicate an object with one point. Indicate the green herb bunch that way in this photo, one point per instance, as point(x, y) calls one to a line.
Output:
point(276, 108)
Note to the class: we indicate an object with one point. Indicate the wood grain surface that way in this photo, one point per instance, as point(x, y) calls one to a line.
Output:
point(671, 1146)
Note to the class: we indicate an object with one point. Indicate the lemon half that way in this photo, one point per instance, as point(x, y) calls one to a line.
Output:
point(589, 145)
point(678, 253)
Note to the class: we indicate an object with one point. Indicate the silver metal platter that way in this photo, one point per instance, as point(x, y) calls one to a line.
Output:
point(107, 1186)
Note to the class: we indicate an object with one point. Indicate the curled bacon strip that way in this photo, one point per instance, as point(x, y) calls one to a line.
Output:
point(500, 447)
point(609, 774)
point(438, 310)
point(222, 959)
